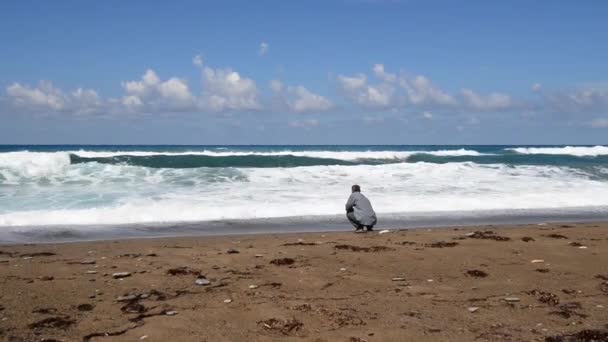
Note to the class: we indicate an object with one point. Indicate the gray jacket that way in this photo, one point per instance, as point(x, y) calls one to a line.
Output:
point(364, 213)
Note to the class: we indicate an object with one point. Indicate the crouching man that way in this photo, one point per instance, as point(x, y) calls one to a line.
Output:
point(359, 211)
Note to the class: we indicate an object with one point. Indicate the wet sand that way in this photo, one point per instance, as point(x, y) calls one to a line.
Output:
point(534, 283)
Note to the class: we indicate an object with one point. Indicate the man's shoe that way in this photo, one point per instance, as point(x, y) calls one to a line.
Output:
point(360, 230)
point(369, 228)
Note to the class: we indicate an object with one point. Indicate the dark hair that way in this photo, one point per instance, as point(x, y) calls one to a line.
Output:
point(356, 188)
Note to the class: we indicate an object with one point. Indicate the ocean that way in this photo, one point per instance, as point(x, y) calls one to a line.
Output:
point(79, 192)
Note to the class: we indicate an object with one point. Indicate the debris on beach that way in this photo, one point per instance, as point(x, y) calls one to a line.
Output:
point(398, 279)
point(384, 231)
point(53, 323)
point(171, 313)
point(472, 309)
point(568, 310)
point(477, 273)
point(202, 281)
point(300, 243)
point(252, 287)
point(285, 327)
point(487, 235)
point(537, 261)
point(441, 244)
point(126, 298)
point(179, 271)
point(588, 335)
point(511, 299)
point(282, 261)
point(119, 275)
point(227, 301)
point(545, 297)
point(363, 249)
point(556, 236)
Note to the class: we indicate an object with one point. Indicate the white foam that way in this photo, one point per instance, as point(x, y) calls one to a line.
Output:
point(579, 151)
point(17, 165)
point(341, 155)
point(120, 194)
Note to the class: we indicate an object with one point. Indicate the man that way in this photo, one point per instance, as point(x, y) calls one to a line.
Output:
point(359, 211)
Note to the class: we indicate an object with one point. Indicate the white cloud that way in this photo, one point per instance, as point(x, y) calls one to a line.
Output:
point(536, 87)
point(385, 94)
point(383, 75)
point(592, 98)
point(306, 101)
point(48, 98)
point(421, 90)
point(375, 96)
point(151, 94)
point(226, 90)
point(263, 49)
point(197, 60)
point(298, 99)
point(494, 101)
point(427, 115)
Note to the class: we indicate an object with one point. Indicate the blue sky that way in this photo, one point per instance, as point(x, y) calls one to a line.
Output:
point(304, 72)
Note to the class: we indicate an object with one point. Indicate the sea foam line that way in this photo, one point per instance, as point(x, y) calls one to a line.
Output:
point(579, 151)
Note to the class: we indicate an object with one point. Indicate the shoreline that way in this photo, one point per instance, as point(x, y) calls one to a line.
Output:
point(417, 284)
point(15, 235)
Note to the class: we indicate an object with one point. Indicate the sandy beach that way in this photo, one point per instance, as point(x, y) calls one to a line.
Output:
point(536, 283)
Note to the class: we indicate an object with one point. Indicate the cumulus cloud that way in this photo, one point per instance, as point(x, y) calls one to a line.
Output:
point(492, 102)
point(592, 98)
point(226, 90)
point(48, 98)
point(299, 99)
point(152, 94)
point(263, 49)
point(427, 115)
point(421, 90)
point(536, 87)
point(358, 90)
point(392, 90)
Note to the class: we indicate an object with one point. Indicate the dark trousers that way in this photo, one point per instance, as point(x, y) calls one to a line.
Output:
point(353, 220)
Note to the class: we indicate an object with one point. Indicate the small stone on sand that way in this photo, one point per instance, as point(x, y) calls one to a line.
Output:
point(88, 262)
point(118, 275)
point(472, 309)
point(91, 272)
point(171, 313)
point(227, 301)
point(384, 231)
point(253, 287)
point(126, 298)
point(511, 299)
point(202, 281)
point(232, 251)
point(536, 261)
point(398, 279)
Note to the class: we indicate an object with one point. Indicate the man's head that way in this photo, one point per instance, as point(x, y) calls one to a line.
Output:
point(356, 188)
